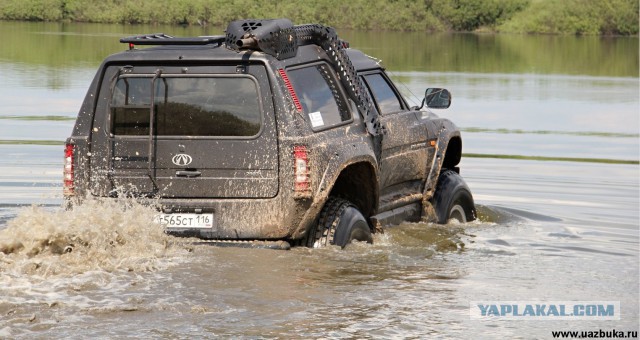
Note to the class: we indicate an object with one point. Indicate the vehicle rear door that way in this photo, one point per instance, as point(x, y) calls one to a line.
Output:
point(186, 132)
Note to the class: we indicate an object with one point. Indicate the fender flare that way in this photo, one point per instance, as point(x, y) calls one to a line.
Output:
point(360, 153)
point(446, 131)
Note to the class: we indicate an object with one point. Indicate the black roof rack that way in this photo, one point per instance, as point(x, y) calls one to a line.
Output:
point(163, 39)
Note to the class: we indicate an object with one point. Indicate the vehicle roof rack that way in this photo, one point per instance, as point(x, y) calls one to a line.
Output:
point(164, 39)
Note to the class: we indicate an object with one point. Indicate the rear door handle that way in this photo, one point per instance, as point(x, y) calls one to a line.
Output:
point(188, 173)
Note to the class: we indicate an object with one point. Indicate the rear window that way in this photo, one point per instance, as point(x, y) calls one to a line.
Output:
point(319, 96)
point(187, 106)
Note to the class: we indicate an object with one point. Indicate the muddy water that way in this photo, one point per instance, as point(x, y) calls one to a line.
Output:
point(552, 230)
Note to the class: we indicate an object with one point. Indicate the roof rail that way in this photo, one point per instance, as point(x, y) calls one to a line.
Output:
point(163, 39)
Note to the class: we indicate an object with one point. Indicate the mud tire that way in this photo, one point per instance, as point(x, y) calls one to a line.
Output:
point(339, 223)
point(453, 198)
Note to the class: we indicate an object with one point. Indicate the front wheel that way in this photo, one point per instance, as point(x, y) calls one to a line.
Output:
point(453, 199)
point(340, 222)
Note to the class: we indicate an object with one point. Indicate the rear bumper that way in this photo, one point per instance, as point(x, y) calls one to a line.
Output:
point(240, 219)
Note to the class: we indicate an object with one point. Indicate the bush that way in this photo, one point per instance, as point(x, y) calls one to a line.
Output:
point(469, 15)
point(527, 16)
point(31, 10)
point(577, 17)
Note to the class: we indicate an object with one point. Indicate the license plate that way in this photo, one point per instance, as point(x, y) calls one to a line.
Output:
point(188, 221)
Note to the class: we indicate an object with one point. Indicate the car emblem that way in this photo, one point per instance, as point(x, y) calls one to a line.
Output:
point(181, 159)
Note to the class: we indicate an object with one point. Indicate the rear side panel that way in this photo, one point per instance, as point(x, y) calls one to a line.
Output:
point(213, 133)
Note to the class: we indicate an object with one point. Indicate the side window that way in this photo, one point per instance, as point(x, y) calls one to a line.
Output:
point(187, 106)
point(318, 92)
point(383, 93)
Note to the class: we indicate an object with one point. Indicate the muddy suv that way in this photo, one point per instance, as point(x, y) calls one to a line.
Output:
point(272, 132)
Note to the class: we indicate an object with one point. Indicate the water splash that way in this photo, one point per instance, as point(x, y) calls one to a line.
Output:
point(107, 235)
point(101, 255)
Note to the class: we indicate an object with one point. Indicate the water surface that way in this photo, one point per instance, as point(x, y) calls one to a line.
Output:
point(549, 230)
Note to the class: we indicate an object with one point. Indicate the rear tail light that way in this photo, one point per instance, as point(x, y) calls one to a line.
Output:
point(68, 188)
point(302, 184)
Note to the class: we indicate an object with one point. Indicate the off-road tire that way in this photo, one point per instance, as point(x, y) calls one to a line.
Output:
point(453, 199)
point(339, 223)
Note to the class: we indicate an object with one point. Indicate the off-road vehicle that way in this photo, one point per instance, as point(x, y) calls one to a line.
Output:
point(270, 132)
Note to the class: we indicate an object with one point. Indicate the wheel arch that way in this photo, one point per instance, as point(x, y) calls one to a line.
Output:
point(358, 184)
point(453, 154)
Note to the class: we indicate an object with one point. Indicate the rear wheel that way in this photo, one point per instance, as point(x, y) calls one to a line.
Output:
point(453, 199)
point(340, 222)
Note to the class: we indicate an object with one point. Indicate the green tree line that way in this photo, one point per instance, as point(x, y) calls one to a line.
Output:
point(586, 17)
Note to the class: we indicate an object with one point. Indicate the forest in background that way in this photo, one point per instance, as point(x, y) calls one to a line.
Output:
point(581, 17)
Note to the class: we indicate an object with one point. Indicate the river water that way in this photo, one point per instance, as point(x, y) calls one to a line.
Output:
point(551, 141)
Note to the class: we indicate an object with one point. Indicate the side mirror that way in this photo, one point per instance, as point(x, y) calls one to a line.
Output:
point(436, 98)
